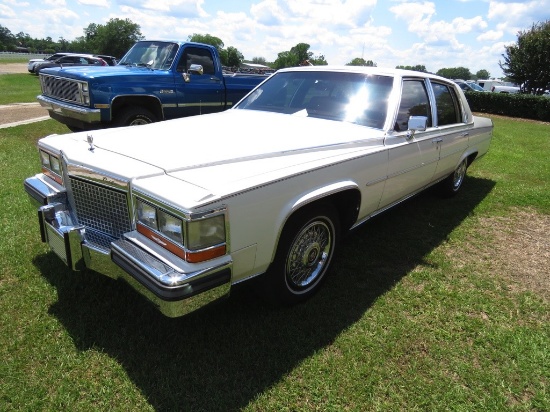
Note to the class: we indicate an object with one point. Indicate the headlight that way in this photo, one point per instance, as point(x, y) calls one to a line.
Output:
point(56, 165)
point(192, 240)
point(45, 159)
point(51, 166)
point(146, 214)
point(171, 227)
point(205, 233)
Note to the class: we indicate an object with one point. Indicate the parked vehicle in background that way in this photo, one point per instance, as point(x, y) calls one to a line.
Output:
point(71, 61)
point(33, 62)
point(111, 60)
point(469, 86)
point(498, 86)
point(155, 80)
point(186, 209)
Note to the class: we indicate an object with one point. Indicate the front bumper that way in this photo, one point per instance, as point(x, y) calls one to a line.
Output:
point(175, 292)
point(70, 114)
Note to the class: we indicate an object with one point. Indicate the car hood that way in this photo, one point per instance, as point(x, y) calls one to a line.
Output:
point(102, 72)
point(219, 153)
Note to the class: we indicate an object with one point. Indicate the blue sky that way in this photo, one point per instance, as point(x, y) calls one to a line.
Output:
point(437, 34)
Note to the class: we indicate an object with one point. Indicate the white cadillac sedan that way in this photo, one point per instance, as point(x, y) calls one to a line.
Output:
point(185, 209)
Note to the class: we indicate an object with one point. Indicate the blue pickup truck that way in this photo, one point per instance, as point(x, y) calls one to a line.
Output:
point(155, 80)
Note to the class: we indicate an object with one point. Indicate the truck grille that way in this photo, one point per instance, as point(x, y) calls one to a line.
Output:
point(68, 90)
point(102, 210)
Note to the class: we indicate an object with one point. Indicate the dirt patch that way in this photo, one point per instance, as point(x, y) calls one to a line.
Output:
point(20, 112)
point(10, 68)
point(516, 247)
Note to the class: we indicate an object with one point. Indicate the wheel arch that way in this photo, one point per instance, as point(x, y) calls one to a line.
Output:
point(151, 103)
point(344, 196)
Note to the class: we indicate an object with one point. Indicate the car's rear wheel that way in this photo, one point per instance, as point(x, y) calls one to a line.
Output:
point(452, 184)
point(304, 254)
point(134, 116)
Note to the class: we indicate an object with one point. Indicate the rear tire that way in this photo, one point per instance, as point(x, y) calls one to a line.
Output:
point(304, 254)
point(134, 116)
point(452, 184)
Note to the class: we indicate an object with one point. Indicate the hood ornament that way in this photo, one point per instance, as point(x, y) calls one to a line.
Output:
point(90, 140)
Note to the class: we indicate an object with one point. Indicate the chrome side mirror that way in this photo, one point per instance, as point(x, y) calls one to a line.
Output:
point(193, 69)
point(415, 124)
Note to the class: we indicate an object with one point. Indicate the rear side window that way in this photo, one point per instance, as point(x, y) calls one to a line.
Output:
point(414, 102)
point(446, 100)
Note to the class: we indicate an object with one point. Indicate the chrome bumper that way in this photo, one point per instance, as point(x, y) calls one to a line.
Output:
point(173, 291)
point(65, 110)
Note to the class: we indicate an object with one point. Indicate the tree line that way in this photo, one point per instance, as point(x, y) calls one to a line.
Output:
point(526, 62)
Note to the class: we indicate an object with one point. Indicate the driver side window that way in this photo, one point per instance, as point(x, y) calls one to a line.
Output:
point(195, 55)
point(414, 102)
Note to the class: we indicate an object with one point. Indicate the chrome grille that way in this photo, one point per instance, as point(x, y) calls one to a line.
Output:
point(100, 208)
point(61, 88)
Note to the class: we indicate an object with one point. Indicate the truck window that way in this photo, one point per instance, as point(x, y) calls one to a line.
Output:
point(196, 55)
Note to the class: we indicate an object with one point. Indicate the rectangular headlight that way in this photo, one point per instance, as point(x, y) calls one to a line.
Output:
point(205, 233)
point(55, 165)
point(146, 214)
point(45, 159)
point(170, 226)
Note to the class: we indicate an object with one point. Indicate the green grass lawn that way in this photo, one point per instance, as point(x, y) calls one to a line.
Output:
point(431, 306)
point(19, 88)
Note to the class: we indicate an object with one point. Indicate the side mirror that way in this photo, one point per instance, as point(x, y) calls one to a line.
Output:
point(415, 124)
point(193, 69)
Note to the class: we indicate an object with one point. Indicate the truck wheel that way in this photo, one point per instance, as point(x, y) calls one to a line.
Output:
point(306, 248)
point(134, 116)
point(452, 184)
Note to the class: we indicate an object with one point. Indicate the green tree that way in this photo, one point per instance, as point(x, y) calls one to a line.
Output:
point(259, 60)
point(527, 62)
point(455, 73)
point(231, 57)
point(416, 68)
point(207, 39)
point(298, 55)
point(358, 61)
point(7, 39)
point(113, 38)
point(483, 74)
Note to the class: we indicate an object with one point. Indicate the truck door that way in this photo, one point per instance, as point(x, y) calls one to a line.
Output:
point(204, 93)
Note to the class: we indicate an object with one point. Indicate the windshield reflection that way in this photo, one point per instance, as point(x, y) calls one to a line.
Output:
point(347, 97)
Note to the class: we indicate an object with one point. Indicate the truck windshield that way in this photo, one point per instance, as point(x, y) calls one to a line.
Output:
point(347, 97)
point(154, 54)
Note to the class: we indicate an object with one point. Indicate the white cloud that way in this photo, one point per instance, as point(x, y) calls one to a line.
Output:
point(98, 3)
point(490, 35)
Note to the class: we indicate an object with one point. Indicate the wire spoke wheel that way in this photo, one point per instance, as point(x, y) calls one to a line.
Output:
point(309, 255)
point(458, 175)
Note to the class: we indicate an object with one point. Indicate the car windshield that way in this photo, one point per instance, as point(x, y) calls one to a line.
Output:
point(154, 54)
point(347, 97)
point(476, 87)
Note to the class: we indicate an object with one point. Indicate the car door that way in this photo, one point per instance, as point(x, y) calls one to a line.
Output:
point(452, 139)
point(411, 160)
point(202, 93)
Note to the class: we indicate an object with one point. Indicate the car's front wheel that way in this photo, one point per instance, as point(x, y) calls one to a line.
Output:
point(305, 252)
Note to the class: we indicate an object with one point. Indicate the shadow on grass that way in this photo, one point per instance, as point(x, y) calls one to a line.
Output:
point(223, 357)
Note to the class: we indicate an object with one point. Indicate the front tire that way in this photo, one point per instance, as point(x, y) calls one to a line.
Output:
point(304, 254)
point(134, 116)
